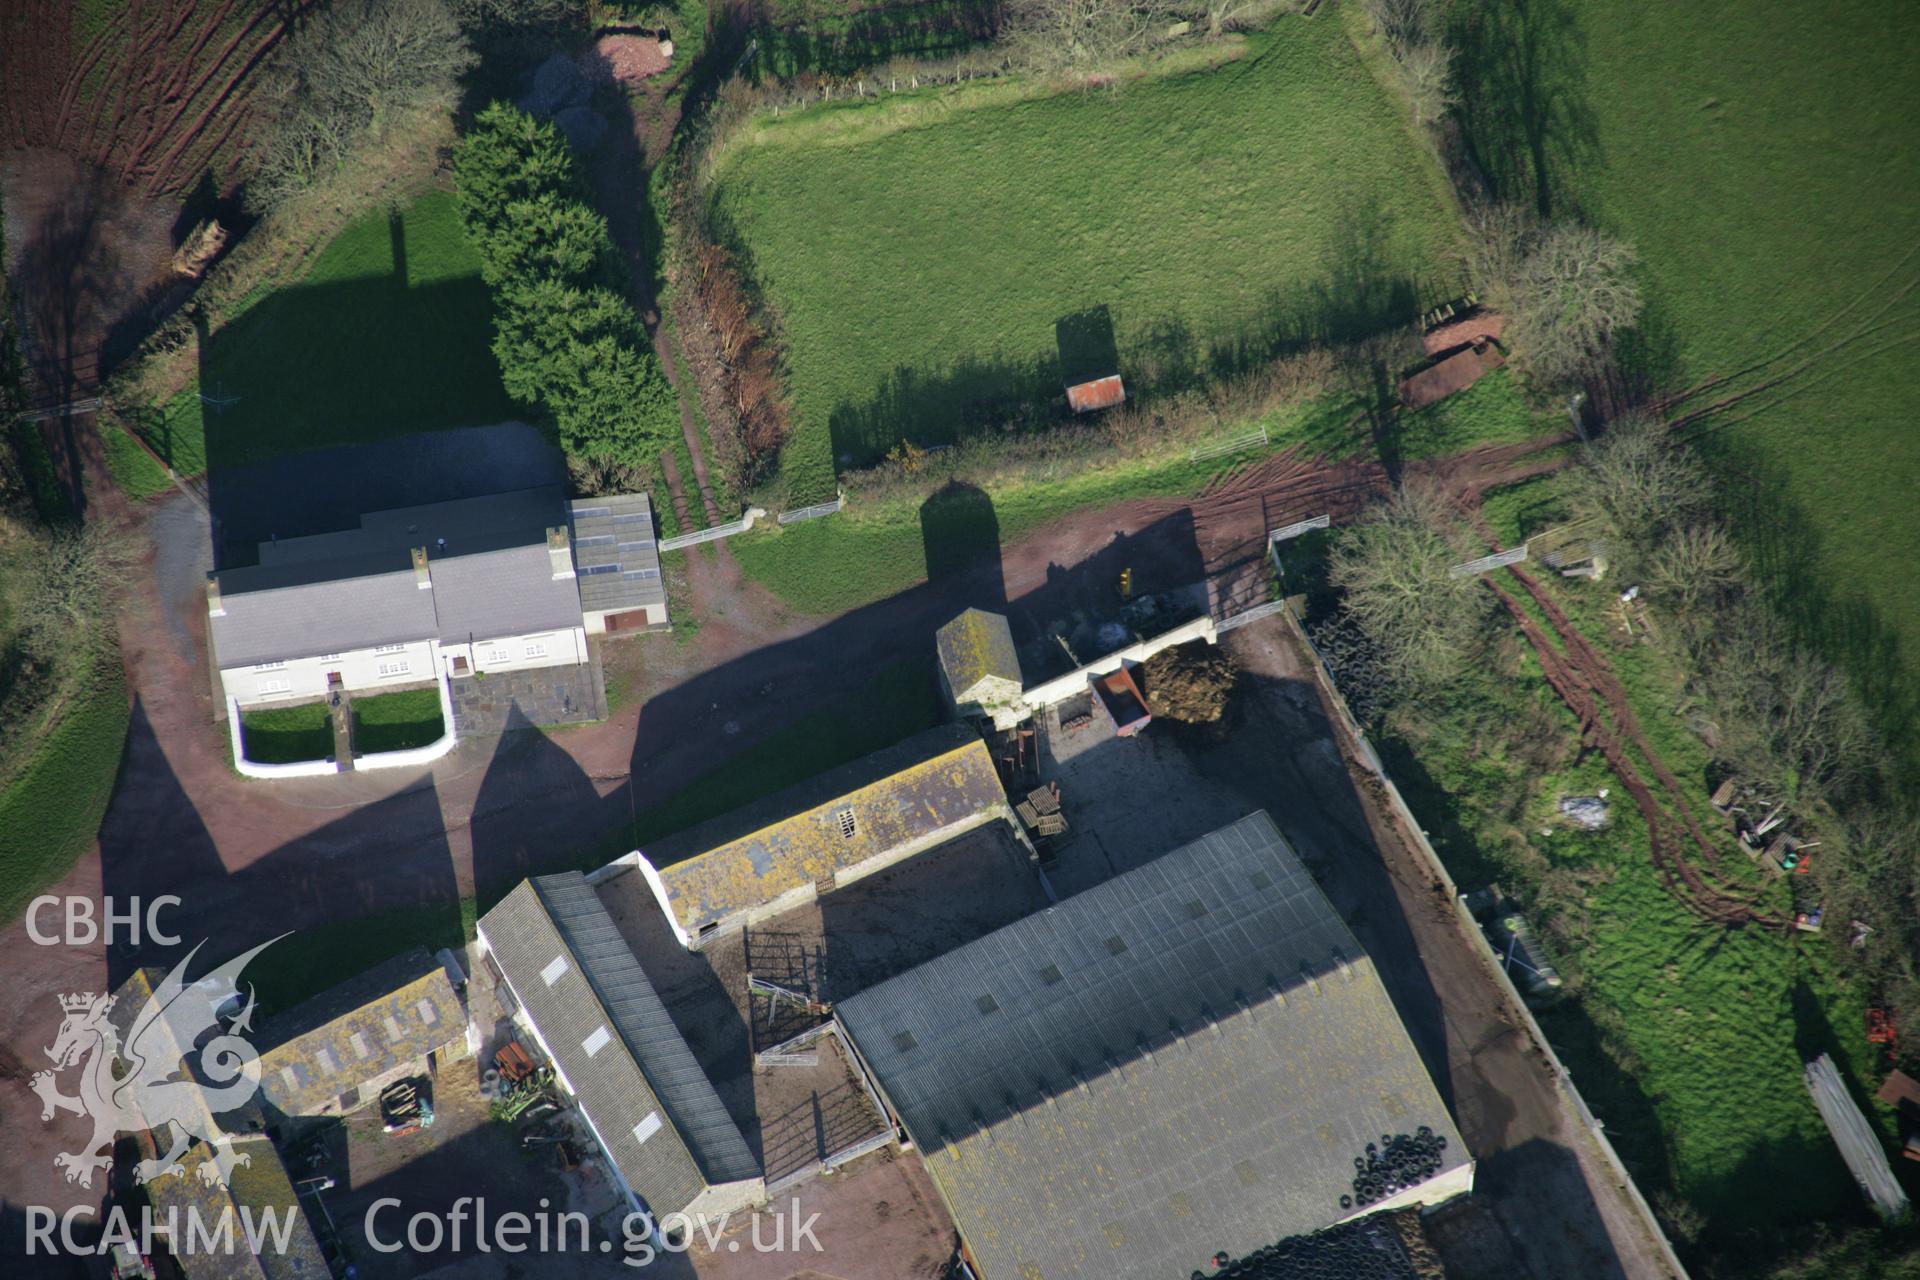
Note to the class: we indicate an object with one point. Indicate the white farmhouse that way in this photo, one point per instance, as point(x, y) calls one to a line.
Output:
point(448, 590)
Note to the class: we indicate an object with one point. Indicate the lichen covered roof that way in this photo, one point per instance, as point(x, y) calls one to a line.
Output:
point(1185, 1059)
point(258, 1188)
point(975, 646)
point(396, 1013)
point(935, 781)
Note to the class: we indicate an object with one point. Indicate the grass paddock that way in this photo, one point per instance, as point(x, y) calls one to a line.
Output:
point(937, 260)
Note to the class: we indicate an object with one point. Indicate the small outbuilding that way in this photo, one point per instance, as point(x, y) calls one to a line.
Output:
point(1099, 393)
point(980, 669)
point(617, 564)
point(334, 1053)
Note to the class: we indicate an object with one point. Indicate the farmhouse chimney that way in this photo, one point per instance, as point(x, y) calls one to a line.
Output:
point(560, 551)
point(214, 608)
point(421, 578)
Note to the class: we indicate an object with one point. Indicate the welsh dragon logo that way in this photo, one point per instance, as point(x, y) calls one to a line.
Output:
point(156, 1089)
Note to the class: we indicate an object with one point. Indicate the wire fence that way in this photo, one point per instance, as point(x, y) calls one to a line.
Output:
point(811, 513)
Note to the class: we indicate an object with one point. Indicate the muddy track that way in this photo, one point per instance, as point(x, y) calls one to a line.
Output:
point(1586, 682)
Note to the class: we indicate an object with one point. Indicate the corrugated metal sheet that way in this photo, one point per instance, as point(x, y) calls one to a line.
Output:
point(615, 553)
point(1183, 1060)
point(1101, 393)
point(1859, 1147)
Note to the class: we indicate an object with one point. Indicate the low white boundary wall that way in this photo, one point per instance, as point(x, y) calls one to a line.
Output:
point(1060, 688)
point(419, 755)
point(410, 756)
point(254, 769)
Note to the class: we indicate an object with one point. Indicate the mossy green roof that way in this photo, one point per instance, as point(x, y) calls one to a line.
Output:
point(975, 646)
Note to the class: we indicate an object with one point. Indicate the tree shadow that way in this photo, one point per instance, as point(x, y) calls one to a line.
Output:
point(1520, 69)
point(1364, 293)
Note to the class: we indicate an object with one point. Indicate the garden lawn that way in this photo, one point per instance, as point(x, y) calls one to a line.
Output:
point(918, 252)
point(397, 721)
point(287, 735)
point(387, 333)
point(1764, 161)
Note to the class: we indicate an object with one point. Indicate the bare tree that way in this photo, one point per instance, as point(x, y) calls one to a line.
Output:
point(1695, 570)
point(1427, 71)
point(345, 78)
point(1566, 290)
point(1082, 35)
point(1422, 621)
point(1641, 483)
point(1404, 23)
point(1783, 713)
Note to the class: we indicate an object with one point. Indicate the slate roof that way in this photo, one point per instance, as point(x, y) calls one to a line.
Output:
point(975, 646)
point(939, 780)
point(392, 1014)
point(1183, 1060)
point(510, 592)
point(356, 588)
point(635, 1079)
point(272, 623)
point(614, 552)
point(256, 1188)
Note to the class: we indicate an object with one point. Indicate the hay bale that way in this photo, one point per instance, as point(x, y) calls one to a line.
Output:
point(1190, 684)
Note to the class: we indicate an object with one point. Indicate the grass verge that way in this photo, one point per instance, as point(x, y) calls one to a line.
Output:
point(397, 721)
point(52, 806)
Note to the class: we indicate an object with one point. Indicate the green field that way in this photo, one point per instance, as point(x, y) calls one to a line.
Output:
point(51, 807)
point(287, 735)
point(387, 333)
point(397, 721)
point(920, 252)
point(1762, 159)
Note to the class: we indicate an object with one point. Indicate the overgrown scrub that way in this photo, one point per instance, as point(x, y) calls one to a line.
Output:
point(1777, 714)
point(276, 252)
point(341, 82)
point(565, 337)
point(63, 706)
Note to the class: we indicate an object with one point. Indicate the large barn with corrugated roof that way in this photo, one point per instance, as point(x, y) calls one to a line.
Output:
point(1186, 1060)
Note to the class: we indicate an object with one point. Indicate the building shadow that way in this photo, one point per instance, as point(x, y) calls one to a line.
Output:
point(505, 853)
point(1086, 346)
point(346, 910)
point(326, 490)
point(960, 537)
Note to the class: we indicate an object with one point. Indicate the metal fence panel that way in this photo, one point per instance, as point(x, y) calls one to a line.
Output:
point(810, 513)
point(1494, 561)
point(1299, 527)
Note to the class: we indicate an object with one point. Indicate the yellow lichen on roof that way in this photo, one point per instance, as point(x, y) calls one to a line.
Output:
point(975, 646)
point(895, 811)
